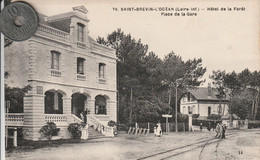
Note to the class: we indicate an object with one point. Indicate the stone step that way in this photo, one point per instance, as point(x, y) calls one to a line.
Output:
point(93, 134)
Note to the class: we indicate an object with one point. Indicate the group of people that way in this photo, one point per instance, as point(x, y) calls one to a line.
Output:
point(221, 131)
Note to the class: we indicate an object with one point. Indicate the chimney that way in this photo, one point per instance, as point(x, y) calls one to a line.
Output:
point(209, 90)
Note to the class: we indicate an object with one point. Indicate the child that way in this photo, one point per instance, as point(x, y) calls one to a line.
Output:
point(201, 127)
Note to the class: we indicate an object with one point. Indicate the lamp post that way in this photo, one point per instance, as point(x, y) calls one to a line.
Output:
point(176, 92)
point(176, 105)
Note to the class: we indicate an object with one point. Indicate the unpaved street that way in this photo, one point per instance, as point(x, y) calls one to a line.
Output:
point(239, 144)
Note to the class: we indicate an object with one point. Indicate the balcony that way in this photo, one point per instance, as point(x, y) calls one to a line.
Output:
point(53, 33)
point(55, 73)
point(17, 119)
point(102, 80)
point(14, 119)
point(81, 45)
point(81, 77)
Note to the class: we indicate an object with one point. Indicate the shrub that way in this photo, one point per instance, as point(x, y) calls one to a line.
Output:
point(75, 130)
point(49, 130)
point(122, 127)
point(253, 124)
point(111, 123)
point(182, 118)
point(205, 122)
point(195, 115)
point(214, 117)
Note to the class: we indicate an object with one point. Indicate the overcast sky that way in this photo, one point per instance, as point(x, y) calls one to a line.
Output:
point(225, 40)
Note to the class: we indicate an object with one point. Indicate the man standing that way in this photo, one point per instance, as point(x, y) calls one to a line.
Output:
point(223, 136)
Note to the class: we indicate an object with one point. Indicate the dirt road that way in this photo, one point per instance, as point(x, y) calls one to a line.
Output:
point(239, 144)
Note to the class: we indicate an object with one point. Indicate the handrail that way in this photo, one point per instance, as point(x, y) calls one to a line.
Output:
point(72, 118)
point(56, 118)
point(100, 126)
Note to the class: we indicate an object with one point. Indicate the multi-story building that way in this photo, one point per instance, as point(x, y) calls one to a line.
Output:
point(68, 71)
point(203, 101)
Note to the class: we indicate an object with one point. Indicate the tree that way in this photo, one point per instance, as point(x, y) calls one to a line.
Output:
point(188, 74)
point(15, 96)
point(242, 89)
point(251, 81)
point(140, 75)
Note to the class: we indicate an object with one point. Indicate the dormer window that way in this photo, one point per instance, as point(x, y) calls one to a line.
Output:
point(81, 28)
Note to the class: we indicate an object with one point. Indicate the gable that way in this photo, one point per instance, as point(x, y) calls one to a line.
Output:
point(81, 9)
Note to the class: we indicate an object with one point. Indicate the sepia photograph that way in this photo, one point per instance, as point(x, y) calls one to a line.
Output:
point(130, 80)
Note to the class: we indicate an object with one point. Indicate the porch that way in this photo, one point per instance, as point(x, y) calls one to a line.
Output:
point(62, 121)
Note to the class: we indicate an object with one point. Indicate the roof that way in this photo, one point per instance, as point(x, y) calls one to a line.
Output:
point(202, 93)
point(41, 18)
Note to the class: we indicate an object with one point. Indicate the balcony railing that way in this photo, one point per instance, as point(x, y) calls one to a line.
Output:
point(50, 31)
point(17, 119)
point(56, 118)
point(81, 45)
point(14, 119)
point(81, 77)
point(102, 80)
point(55, 73)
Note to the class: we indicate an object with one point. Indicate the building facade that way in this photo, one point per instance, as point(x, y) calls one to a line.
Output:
point(203, 101)
point(68, 71)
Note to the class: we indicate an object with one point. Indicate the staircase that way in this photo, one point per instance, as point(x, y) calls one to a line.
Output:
point(99, 126)
point(94, 134)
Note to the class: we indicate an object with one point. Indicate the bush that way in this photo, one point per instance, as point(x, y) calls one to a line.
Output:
point(122, 127)
point(253, 124)
point(111, 123)
point(214, 117)
point(195, 115)
point(49, 130)
point(75, 130)
point(183, 118)
point(205, 122)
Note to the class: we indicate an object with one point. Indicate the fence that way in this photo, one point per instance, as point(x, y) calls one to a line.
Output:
point(182, 127)
point(253, 124)
point(205, 122)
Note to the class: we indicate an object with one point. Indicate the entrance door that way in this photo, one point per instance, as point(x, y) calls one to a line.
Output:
point(78, 103)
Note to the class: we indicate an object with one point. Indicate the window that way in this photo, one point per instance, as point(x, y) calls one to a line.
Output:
point(192, 98)
point(189, 110)
point(209, 111)
point(188, 97)
point(101, 70)
point(81, 32)
point(53, 103)
point(55, 60)
point(184, 110)
point(219, 109)
point(100, 105)
point(80, 65)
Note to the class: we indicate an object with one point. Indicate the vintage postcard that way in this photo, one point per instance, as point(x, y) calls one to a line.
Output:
point(119, 80)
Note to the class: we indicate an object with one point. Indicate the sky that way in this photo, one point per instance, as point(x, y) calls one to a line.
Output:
point(225, 40)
